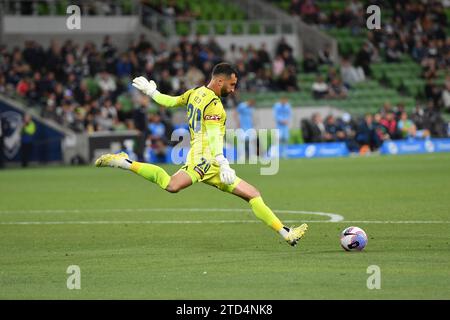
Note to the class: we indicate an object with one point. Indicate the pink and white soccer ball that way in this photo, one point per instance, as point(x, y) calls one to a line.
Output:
point(353, 239)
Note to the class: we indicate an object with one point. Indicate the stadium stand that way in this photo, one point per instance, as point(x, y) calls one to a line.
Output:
point(86, 86)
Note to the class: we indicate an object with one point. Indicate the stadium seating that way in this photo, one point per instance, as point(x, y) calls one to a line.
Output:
point(394, 82)
point(367, 96)
point(207, 11)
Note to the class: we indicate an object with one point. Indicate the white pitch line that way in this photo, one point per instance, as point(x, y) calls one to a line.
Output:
point(130, 222)
point(333, 216)
point(204, 222)
point(401, 222)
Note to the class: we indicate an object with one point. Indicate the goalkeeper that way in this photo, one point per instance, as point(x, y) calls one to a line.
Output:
point(205, 161)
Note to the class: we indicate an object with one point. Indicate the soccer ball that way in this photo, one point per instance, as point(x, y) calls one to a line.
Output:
point(353, 239)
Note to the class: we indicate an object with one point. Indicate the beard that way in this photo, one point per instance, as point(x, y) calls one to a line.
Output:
point(224, 93)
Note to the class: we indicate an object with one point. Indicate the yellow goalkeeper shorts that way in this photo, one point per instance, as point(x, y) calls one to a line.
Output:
point(209, 173)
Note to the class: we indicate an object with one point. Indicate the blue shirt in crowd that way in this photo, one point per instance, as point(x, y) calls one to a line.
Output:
point(282, 112)
point(245, 113)
point(157, 129)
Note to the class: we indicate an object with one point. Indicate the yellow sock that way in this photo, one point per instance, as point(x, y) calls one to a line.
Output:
point(264, 213)
point(151, 172)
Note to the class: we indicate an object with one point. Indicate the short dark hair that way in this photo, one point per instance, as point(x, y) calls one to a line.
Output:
point(224, 68)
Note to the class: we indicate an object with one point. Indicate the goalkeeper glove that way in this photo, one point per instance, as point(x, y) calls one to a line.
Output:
point(227, 175)
point(147, 87)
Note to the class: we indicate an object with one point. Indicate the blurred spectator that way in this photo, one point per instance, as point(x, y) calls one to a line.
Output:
point(108, 52)
point(282, 46)
point(381, 132)
point(366, 135)
point(419, 51)
point(294, 7)
point(337, 90)
point(194, 77)
point(389, 122)
point(325, 56)
point(310, 64)
point(106, 82)
point(434, 122)
point(314, 130)
point(406, 127)
point(350, 74)
point(141, 125)
point(432, 92)
point(22, 87)
point(282, 112)
point(263, 54)
point(333, 131)
point(232, 55)
point(319, 88)
point(28, 133)
point(157, 138)
point(278, 66)
point(124, 67)
point(348, 126)
point(165, 83)
point(245, 115)
point(287, 81)
point(363, 59)
point(446, 96)
point(309, 11)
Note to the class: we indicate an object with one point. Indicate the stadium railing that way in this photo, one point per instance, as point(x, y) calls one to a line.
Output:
point(182, 26)
point(59, 7)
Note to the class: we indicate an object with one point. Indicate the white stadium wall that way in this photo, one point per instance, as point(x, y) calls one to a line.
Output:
point(17, 29)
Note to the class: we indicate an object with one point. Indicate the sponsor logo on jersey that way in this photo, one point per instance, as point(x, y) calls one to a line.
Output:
point(199, 171)
point(212, 117)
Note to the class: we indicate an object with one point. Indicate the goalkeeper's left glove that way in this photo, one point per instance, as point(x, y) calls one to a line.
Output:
point(227, 175)
point(147, 87)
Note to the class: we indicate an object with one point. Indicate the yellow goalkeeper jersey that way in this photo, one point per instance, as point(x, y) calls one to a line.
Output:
point(203, 107)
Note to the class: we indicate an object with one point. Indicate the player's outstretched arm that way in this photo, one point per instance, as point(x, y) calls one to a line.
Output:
point(149, 88)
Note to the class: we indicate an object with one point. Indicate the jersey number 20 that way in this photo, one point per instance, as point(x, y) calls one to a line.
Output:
point(194, 118)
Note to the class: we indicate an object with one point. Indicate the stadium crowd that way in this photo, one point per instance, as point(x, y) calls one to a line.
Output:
point(73, 82)
point(416, 28)
point(369, 132)
point(88, 87)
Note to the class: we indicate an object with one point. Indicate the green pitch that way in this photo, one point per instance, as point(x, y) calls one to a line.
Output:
point(131, 240)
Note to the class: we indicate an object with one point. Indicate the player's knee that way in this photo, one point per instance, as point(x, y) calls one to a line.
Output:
point(172, 188)
point(254, 193)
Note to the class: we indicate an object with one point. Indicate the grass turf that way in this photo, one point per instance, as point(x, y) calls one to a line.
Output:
point(104, 221)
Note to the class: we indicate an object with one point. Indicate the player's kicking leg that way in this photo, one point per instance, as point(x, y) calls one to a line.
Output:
point(158, 175)
point(249, 193)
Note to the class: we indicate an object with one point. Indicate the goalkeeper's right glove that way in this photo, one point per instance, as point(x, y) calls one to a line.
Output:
point(147, 87)
point(227, 175)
